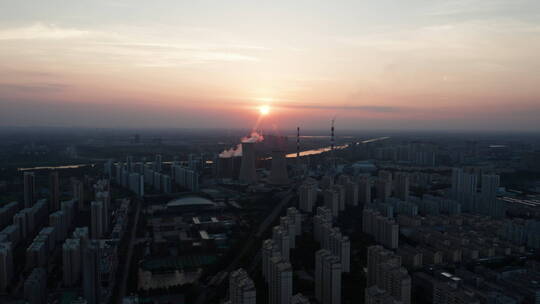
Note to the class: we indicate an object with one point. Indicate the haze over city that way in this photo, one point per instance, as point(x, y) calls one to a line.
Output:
point(400, 65)
point(270, 152)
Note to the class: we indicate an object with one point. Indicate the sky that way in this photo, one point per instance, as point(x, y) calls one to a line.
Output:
point(404, 65)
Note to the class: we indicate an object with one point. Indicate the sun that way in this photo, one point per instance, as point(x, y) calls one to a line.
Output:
point(264, 110)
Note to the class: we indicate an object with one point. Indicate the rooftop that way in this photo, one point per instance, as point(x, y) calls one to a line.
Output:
point(190, 201)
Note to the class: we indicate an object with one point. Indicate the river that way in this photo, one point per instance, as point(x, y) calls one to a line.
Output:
point(290, 155)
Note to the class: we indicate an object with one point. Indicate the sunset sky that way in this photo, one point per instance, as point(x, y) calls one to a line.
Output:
point(452, 64)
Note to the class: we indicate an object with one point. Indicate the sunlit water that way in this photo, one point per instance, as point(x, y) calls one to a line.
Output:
point(290, 155)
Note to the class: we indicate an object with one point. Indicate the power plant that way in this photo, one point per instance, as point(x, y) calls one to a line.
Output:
point(228, 167)
point(247, 167)
point(278, 174)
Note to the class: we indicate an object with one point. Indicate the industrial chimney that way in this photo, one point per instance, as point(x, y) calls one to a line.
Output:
point(278, 174)
point(247, 167)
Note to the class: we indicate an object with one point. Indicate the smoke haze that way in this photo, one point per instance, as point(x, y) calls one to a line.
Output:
point(237, 151)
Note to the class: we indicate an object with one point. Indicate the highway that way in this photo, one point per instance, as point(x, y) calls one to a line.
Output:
point(123, 284)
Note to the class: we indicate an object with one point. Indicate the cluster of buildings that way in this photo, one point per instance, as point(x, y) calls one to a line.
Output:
point(276, 264)
point(467, 225)
point(137, 175)
point(510, 285)
point(90, 254)
point(186, 177)
point(415, 153)
point(420, 231)
point(36, 228)
point(465, 184)
point(332, 259)
point(45, 228)
point(387, 281)
point(277, 269)
point(448, 239)
point(384, 229)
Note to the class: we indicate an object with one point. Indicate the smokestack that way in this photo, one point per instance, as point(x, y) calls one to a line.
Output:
point(297, 143)
point(247, 167)
point(333, 162)
point(332, 137)
point(278, 175)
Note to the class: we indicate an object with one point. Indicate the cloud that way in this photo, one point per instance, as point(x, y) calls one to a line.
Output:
point(193, 52)
point(125, 45)
point(32, 88)
point(365, 108)
point(40, 31)
point(160, 46)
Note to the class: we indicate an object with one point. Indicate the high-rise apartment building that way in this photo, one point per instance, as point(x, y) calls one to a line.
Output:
point(351, 194)
point(384, 189)
point(96, 218)
point(91, 273)
point(108, 168)
point(490, 185)
point(6, 265)
point(269, 250)
point(385, 230)
point(385, 272)
point(280, 282)
point(295, 217)
point(307, 193)
point(241, 288)
point(35, 287)
point(340, 246)
point(78, 192)
point(341, 191)
point(327, 277)
point(327, 182)
point(464, 186)
point(30, 194)
point(401, 185)
point(71, 261)
point(59, 222)
point(136, 184)
point(158, 163)
point(364, 190)
point(375, 295)
point(54, 191)
point(281, 237)
point(331, 201)
point(287, 224)
point(323, 217)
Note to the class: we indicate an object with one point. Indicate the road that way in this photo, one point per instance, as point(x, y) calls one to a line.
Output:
point(123, 284)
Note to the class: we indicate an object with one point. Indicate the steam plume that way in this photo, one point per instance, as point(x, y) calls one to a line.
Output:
point(237, 151)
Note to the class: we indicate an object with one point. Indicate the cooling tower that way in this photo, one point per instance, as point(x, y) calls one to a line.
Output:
point(278, 175)
point(247, 167)
point(224, 167)
point(228, 167)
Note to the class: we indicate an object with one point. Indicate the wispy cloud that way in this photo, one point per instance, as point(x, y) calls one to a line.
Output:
point(32, 88)
point(363, 108)
point(133, 46)
point(40, 31)
point(473, 7)
point(186, 46)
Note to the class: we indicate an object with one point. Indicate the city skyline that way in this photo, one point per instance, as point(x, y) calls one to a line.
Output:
point(437, 65)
